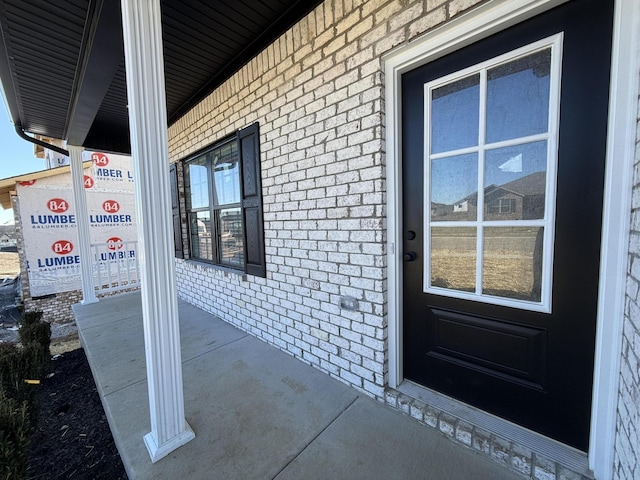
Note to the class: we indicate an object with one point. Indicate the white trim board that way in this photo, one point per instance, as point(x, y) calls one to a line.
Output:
point(480, 23)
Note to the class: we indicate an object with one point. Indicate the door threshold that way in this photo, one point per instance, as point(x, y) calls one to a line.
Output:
point(515, 447)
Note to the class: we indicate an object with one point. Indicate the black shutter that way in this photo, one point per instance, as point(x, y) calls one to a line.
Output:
point(175, 211)
point(249, 144)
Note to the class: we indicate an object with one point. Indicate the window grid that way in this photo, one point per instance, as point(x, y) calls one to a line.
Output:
point(210, 242)
point(550, 136)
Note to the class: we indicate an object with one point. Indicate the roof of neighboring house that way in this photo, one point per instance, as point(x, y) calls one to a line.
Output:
point(532, 184)
point(8, 185)
point(62, 63)
point(8, 230)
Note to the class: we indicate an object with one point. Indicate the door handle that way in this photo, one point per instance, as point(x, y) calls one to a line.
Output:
point(409, 256)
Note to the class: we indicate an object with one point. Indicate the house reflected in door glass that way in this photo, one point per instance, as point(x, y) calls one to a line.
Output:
point(515, 182)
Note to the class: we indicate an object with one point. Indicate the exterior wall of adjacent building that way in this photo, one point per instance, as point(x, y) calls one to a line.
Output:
point(627, 448)
point(56, 308)
point(318, 95)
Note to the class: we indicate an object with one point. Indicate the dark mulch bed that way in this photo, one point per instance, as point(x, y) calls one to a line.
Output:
point(73, 440)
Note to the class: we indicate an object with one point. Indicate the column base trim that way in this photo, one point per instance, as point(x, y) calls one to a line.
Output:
point(157, 452)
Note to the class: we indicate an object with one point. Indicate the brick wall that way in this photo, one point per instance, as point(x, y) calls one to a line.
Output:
point(317, 93)
point(627, 448)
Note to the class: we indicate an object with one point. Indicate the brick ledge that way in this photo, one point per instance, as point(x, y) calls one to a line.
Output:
point(524, 452)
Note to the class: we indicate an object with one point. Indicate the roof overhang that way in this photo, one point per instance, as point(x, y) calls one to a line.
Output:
point(62, 63)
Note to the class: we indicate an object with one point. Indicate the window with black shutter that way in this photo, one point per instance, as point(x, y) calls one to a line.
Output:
point(224, 203)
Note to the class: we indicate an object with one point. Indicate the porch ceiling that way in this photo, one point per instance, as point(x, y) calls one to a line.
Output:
point(62, 63)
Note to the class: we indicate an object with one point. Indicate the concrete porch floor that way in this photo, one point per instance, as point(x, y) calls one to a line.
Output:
point(257, 412)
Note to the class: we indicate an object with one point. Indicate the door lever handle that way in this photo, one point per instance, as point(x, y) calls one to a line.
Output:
point(409, 256)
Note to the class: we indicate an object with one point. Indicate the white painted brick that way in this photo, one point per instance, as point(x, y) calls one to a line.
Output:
point(317, 94)
point(428, 21)
point(374, 389)
point(320, 334)
point(363, 373)
point(354, 380)
point(544, 469)
point(458, 6)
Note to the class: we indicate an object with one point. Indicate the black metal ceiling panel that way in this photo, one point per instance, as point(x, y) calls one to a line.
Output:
point(206, 42)
point(63, 73)
point(42, 45)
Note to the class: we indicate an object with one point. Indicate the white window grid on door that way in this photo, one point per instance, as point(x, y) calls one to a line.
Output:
point(554, 43)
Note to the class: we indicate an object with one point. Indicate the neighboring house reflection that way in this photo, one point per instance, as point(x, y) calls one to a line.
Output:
point(521, 199)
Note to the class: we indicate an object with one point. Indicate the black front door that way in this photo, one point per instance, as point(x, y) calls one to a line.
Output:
point(503, 150)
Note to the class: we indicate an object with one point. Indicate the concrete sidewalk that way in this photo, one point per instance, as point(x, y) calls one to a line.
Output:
point(257, 412)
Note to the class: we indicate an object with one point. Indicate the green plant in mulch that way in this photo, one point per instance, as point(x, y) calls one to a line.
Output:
point(18, 364)
point(35, 337)
point(16, 424)
point(21, 369)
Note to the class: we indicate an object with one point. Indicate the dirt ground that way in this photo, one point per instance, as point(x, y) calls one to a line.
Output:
point(64, 344)
point(73, 439)
point(9, 264)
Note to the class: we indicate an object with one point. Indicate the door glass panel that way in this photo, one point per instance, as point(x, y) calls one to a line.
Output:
point(453, 258)
point(515, 179)
point(454, 183)
point(518, 97)
point(455, 113)
point(490, 201)
point(512, 262)
point(231, 236)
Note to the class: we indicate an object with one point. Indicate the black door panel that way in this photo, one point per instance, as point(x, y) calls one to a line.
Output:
point(532, 368)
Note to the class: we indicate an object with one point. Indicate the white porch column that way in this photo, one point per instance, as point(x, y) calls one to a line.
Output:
point(82, 219)
point(144, 62)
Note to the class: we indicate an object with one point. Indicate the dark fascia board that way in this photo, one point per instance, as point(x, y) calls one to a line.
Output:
point(292, 15)
point(103, 53)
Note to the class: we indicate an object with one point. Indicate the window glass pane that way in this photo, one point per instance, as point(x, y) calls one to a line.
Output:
point(198, 182)
point(453, 258)
point(512, 263)
point(226, 174)
point(454, 187)
point(231, 236)
point(455, 112)
point(515, 182)
point(518, 97)
point(200, 228)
